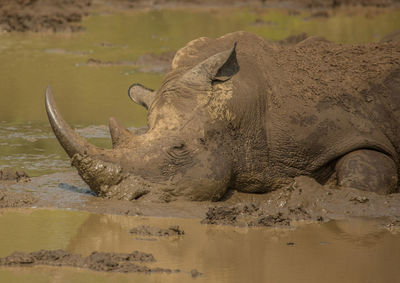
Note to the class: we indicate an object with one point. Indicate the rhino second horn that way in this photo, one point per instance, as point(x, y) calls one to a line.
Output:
point(119, 134)
point(68, 138)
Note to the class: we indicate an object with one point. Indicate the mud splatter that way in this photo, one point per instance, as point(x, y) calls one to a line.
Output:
point(14, 199)
point(42, 15)
point(146, 63)
point(17, 175)
point(146, 230)
point(303, 200)
point(97, 261)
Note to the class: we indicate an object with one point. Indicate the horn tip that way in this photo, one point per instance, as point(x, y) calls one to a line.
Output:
point(48, 91)
point(114, 121)
point(49, 96)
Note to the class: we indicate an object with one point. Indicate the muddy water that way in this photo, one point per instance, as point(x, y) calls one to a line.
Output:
point(88, 95)
point(344, 251)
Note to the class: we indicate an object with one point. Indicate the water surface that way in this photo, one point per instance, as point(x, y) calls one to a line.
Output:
point(343, 251)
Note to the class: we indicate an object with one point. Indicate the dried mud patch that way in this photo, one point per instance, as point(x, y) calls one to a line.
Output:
point(9, 177)
point(16, 200)
point(315, 4)
point(146, 63)
point(304, 200)
point(96, 261)
point(17, 175)
point(66, 15)
point(42, 15)
point(310, 4)
point(393, 224)
point(146, 230)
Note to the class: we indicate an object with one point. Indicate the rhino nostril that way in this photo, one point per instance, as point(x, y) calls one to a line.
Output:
point(180, 146)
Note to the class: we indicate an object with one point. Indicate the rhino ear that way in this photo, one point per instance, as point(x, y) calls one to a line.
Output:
point(141, 95)
point(219, 67)
point(226, 65)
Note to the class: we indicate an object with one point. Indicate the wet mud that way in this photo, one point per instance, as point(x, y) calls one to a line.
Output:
point(9, 177)
point(392, 37)
point(304, 200)
point(339, 3)
point(42, 15)
point(13, 199)
point(17, 175)
point(308, 4)
point(66, 15)
point(146, 63)
point(146, 230)
point(96, 261)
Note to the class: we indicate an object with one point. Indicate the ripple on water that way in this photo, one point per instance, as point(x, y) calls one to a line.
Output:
point(34, 148)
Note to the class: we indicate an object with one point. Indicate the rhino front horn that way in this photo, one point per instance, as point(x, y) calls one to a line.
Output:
point(68, 138)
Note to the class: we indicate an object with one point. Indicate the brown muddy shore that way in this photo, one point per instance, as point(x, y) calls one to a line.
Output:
point(42, 15)
point(303, 200)
point(66, 15)
point(96, 261)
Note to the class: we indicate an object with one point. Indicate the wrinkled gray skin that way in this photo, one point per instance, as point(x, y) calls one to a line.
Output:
point(251, 118)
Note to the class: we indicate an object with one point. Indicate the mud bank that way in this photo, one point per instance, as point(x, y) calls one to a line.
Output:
point(42, 15)
point(146, 63)
point(304, 200)
point(66, 15)
point(260, 3)
point(9, 177)
point(337, 3)
point(392, 37)
point(146, 230)
point(96, 261)
point(13, 199)
point(16, 175)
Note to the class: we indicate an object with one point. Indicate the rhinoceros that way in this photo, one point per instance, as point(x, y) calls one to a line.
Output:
point(242, 113)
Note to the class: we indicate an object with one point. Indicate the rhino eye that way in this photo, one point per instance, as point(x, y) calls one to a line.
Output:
point(179, 154)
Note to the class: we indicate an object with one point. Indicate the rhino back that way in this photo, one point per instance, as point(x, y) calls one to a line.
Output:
point(301, 107)
point(331, 99)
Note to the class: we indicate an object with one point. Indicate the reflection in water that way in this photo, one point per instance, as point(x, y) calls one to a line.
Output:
point(348, 251)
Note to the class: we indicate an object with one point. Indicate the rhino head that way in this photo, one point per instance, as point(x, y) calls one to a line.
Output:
point(185, 151)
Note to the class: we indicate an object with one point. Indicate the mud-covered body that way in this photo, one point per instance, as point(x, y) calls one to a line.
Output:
point(255, 117)
point(300, 108)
